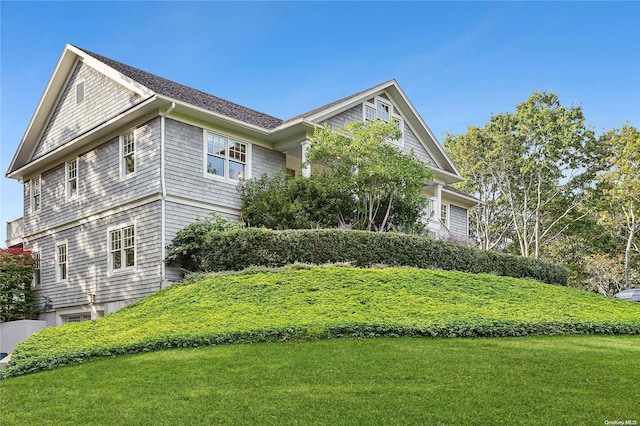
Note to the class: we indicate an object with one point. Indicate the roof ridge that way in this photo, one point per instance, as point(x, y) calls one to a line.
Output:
point(189, 94)
point(330, 104)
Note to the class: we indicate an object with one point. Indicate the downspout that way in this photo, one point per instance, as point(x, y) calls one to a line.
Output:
point(163, 187)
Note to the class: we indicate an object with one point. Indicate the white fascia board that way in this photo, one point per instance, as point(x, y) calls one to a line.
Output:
point(116, 76)
point(51, 93)
point(430, 133)
point(447, 176)
point(348, 103)
point(472, 201)
point(234, 121)
point(19, 173)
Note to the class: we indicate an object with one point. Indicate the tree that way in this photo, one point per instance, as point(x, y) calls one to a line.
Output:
point(473, 152)
point(16, 274)
point(535, 165)
point(619, 189)
point(385, 183)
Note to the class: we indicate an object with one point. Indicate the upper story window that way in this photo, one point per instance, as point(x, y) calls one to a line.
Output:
point(122, 248)
point(35, 194)
point(226, 157)
point(80, 92)
point(72, 178)
point(381, 109)
point(61, 262)
point(128, 154)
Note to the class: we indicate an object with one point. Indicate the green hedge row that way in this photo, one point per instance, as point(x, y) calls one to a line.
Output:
point(237, 249)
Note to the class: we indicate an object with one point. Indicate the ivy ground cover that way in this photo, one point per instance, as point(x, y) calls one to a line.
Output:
point(328, 302)
point(559, 380)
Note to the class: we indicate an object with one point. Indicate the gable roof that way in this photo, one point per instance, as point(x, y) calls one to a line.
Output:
point(157, 91)
point(190, 95)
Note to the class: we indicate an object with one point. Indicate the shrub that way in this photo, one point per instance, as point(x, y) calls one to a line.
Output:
point(283, 202)
point(16, 295)
point(240, 248)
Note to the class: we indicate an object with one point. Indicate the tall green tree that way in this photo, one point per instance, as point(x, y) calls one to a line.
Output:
point(535, 165)
point(384, 181)
point(490, 223)
point(619, 189)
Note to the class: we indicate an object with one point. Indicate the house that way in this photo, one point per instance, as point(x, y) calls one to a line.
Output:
point(116, 160)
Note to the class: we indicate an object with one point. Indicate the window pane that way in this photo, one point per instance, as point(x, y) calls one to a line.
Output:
point(238, 151)
point(63, 271)
point(215, 165)
point(236, 170)
point(116, 240)
point(130, 164)
point(369, 113)
point(383, 111)
point(216, 145)
point(116, 259)
point(130, 253)
point(129, 240)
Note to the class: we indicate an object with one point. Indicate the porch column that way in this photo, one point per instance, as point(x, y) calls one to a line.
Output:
point(306, 169)
point(438, 196)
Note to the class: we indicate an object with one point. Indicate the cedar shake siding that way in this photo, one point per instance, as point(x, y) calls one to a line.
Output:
point(88, 250)
point(103, 99)
point(99, 185)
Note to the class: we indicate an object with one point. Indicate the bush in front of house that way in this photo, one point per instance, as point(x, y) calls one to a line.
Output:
point(16, 274)
point(236, 248)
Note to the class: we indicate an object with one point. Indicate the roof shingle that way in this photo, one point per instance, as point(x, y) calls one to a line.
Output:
point(189, 95)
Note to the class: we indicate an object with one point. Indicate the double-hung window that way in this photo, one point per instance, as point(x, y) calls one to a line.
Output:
point(61, 262)
point(128, 154)
point(122, 248)
point(36, 283)
point(35, 194)
point(444, 213)
point(72, 178)
point(226, 157)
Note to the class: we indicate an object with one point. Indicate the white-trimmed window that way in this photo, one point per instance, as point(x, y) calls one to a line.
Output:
point(226, 157)
point(80, 92)
point(128, 154)
point(36, 283)
point(381, 109)
point(62, 262)
point(122, 248)
point(72, 178)
point(78, 318)
point(444, 214)
point(34, 186)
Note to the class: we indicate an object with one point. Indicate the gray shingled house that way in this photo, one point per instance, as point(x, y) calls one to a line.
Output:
point(116, 160)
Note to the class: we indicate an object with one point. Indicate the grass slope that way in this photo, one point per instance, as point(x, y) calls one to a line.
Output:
point(562, 380)
point(329, 302)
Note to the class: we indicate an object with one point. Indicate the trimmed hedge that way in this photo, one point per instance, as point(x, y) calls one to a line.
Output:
point(237, 249)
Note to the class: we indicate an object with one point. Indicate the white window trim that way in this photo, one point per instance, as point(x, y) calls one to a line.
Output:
point(205, 153)
point(392, 115)
point(122, 164)
point(447, 207)
point(124, 268)
point(57, 258)
point(66, 179)
point(35, 249)
point(32, 195)
point(84, 93)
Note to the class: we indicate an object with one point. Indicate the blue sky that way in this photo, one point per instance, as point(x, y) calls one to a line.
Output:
point(458, 62)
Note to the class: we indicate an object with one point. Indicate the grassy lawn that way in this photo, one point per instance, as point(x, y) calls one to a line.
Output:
point(562, 380)
point(329, 302)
